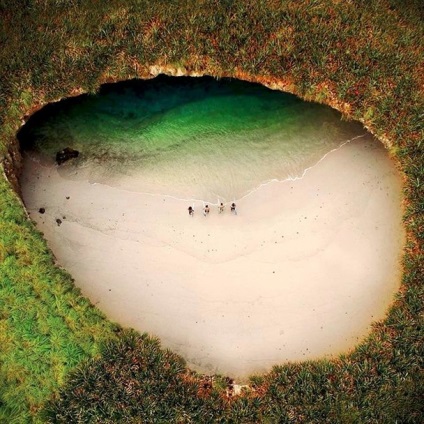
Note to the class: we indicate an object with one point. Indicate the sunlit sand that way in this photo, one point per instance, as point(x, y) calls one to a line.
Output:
point(301, 272)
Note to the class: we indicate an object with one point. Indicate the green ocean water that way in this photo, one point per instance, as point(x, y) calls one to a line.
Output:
point(192, 138)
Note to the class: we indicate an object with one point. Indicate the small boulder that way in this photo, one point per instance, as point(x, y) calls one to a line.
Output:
point(58, 222)
point(66, 154)
point(41, 210)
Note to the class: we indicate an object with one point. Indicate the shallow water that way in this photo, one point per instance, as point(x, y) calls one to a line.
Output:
point(186, 137)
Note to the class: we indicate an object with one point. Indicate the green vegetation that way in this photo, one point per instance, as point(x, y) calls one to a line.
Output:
point(47, 328)
point(363, 57)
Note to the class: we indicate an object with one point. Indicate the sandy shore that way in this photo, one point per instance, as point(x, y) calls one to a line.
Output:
point(301, 272)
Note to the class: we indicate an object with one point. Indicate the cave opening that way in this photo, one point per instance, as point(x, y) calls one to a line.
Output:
point(308, 263)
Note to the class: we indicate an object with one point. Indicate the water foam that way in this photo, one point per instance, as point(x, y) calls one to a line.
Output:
point(195, 140)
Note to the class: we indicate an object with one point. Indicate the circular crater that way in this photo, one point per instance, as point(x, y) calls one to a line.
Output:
point(308, 263)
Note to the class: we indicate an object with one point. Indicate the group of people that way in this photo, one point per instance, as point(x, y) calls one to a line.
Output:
point(206, 209)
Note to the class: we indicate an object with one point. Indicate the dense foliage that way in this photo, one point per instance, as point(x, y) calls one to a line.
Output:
point(363, 57)
point(46, 327)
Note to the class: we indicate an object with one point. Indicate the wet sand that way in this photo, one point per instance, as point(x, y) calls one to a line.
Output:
point(300, 273)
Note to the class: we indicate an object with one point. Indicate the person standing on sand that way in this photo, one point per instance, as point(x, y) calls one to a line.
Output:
point(206, 210)
point(233, 208)
point(190, 211)
point(221, 207)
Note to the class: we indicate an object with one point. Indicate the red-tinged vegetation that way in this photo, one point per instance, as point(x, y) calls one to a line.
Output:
point(364, 58)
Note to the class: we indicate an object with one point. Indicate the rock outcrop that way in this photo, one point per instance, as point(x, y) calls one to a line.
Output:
point(66, 154)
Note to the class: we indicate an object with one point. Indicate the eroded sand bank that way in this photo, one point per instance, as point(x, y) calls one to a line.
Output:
point(299, 273)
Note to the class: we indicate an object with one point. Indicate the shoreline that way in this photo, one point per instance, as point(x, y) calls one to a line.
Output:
point(125, 181)
point(242, 293)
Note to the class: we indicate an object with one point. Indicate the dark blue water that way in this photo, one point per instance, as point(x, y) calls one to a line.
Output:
point(187, 137)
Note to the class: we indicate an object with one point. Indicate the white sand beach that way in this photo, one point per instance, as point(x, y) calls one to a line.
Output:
point(300, 273)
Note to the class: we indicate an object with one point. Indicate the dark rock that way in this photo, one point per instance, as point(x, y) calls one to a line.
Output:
point(66, 154)
point(67, 197)
point(41, 210)
point(58, 222)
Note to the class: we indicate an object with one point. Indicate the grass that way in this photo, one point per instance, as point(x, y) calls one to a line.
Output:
point(60, 359)
point(43, 335)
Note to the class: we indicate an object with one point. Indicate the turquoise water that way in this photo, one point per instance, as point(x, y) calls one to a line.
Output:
point(194, 138)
